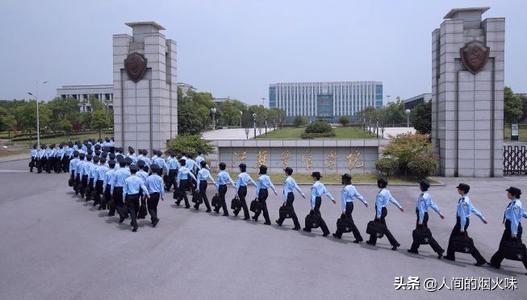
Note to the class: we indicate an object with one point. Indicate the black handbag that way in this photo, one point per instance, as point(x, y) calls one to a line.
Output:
point(376, 228)
point(236, 203)
point(255, 206)
point(422, 235)
point(285, 212)
point(462, 243)
point(344, 224)
point(142, 211)
point(215, 201)
point(196, 198)
point(313, 219)
point(70, 181)
point(514, 250)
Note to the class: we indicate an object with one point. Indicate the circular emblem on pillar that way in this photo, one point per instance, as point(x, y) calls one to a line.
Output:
point(475, 56)
point(135, 66)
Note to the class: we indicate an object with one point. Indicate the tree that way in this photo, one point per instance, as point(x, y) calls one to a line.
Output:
point(189, 145)
point(421, 117)
point(394, 113)
point(513, 106)
point(299, 121)
point(344, 121)
point(276, 116)
point(99, 120)
point(7, 121)
point(66, 126)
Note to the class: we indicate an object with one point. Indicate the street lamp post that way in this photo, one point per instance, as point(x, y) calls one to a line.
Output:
point(254, 124)
point(213, 113)
point(38, 112)
point(241, 117)
point(407, 112)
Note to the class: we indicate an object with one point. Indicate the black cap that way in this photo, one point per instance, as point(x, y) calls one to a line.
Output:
point(464, 187)
point(263, 169)
point(316, 174)
point(288, 170)
point(242, 165)
point(516, 192)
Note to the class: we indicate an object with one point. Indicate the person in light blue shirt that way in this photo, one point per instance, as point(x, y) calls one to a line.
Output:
point(262, 192)
point(348, 194)
point(513, 228)
point(99, 182)
point(242, 181)
point(85, 175)
point(199, 159)
point(118, 183)
point(464, 210)
point(184, 176)
point(383, 198)
point(108, 181)
point(92, 178)
point(222, 179)
point(190, 164)
point(134, 187)
point(424, 203)
point(72, 166)
point(154, 184)
point(34, 157)
point(203, 176)
point(289, 197)
point(173, 165)
point(318, 189)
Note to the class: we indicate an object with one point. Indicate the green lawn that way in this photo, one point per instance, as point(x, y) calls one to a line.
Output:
point(61, 139)
point(340, 133)
point(507, 133)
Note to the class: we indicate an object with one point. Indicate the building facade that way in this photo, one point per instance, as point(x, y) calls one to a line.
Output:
point(83, 93)
point(325, 100)
point(411, 103)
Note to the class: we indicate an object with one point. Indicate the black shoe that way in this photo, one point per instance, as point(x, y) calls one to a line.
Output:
point(121, 219)
point(357, 241)
point(176, 202)
point(325, 234)
point(187, 206)
point(413, 251)
point(225, 214)
point(394, 248)
point(295, 228)
point(267, 223)
point(255, 219)
point(480, 263)
point(134, 229)
point(336, 236)
point(279, 224)
point(449, 258)
point(439, 255)
point(208, 210)
point(154, 223)
point(306, 230)
point(370, 243)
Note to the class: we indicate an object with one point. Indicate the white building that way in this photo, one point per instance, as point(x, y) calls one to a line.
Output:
point(325, 100)
point(83, 93)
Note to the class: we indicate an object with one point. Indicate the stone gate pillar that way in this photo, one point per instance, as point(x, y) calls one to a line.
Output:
point(145, 91)
point(467, 93)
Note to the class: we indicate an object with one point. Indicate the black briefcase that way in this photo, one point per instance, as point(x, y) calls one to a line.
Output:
point(196, 198)
point(215, 201)
point(422, 235)
point(376, 228)
point(70, 181)
point(285, 212)
point(236, 204)
point(313, 219)
point(462, 243)
point(256, 206)
point(344, 224)
point(142, 212)
point(514, 250)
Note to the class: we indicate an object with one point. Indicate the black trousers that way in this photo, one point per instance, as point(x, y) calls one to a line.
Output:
point(183, 188)
point(107, 196)
point(84, 185)
point(457, 231)
point(262, 197)
point(65, 164)
point(118, 202)
point(242, 193)
point(222, 190)
point(42, 163)
point(171, 178)
point(57, 167)
point(32, 163)
point(89, 190)
point(387, 233)
point(77, 184)
point(132, 206)
point(289, 203)
point(316, 209)
point(98, 191)
point(151, 204)
point(203, 194)
point(497, 258)
point(432, 242)
point(348, 212)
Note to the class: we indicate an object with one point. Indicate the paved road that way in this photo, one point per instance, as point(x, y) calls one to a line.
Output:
point(54, 246)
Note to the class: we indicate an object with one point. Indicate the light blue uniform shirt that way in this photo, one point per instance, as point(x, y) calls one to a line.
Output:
point(183, 174)
point(160, 162)
point(172, 163)
point(465, 209)
point(93, 172)
point(154, 183)
point(199, 159)
point(244, 179)
point(289, 186)
point(60, 153)
point(514, 212)
point(120, 176)
point(383, 198)
point(348, 194)
point(142, 174)
point(204, 174)
point(264, 182)
point(85, 168)
point(34, 153)
point(73, 165)
point(318, 189)
point(424, 203)
point(133, 185)
point(223, 178)
point(109, 177)
point(101, 172)
point(190, 164)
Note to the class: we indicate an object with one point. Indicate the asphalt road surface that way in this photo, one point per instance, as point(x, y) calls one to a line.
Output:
point(56, 246)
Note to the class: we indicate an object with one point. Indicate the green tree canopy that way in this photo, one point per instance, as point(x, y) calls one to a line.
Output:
point(513, 106)
point(421, 117)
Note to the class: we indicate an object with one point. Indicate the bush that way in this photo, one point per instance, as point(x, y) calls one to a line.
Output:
point(387, 166)
point(319, 127)
point(299, 121)
point(422, 167)
point(189, 144)
point(344, 121)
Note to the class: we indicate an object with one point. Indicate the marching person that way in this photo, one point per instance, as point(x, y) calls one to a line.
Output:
point(289, 197)
point(108, 187)
point(242, 181)
point(42, 159)
point(173, 165)
point(34, 155)
point(317, 191)
point(347, 195)
point(99, 182)
point(513, 227)
point(183, 182)
point(72, 168)
point(156, 190)
point(222, 179)
point(463, 212)
point(78, 173)
point(263, 184)
point(118, 183)
point(85, 174)
point(199, 159)
point(134, 187)
point(383, 198)
point(424, 203)
point(92, 177)
point(203, 176)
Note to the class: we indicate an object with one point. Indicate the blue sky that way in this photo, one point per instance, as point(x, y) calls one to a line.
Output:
point(236, 48)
